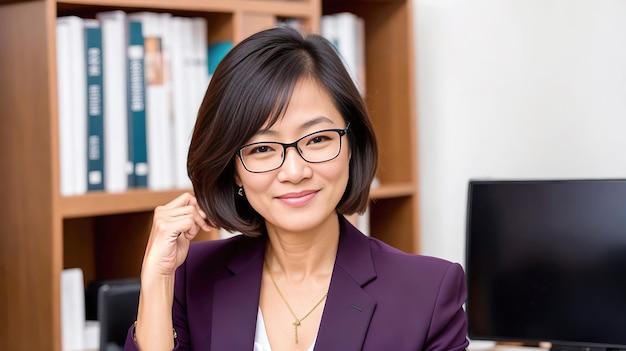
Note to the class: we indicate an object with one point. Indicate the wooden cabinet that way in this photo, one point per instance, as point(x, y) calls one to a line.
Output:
point(390, 97)
point(42, 232)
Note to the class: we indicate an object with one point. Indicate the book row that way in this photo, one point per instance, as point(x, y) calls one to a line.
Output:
point(129, 86)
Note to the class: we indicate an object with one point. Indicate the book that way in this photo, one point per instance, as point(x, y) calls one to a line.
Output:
point(200, 68)
point(183, 97)
point(190, 80)
point(158, 127)
point(95, 117)
point(361, 221)
point(166, 50)
point(291, 22)
point(328, 29)
point(137, 145)
point(347, 42)
point(360, 68)
point(113, 25)
point(92, 335)
point(216, 52)
point(72, 310)
point(64, 65)
point(346, 32)
point(72, 106)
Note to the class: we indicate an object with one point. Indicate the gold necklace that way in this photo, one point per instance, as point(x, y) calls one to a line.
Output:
point(297, 321)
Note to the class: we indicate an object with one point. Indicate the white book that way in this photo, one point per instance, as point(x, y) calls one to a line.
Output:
point(361, 221)
point(79, 102)
point(72, 310)
point(73, 106)
point(342, 29)
point(328, 29)
point(347, 29)
point(116, 163)
point(182, 75)
point(92, 335)
point(360, 55)
point(291, 22)
point(200, 61)
point(64, 65)
point(158, 126)
point(166, 47)
point(189, 118)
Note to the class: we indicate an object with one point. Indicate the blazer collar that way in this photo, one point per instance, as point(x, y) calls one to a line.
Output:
point(347, 312)
point(349, 308)
point(354, 255)
point(236, 298)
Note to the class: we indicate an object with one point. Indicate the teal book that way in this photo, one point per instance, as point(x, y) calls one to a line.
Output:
point(137, 142)
point(95, 112)
point(216, 53)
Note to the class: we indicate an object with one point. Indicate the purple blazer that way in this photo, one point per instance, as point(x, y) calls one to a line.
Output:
point(379, 298)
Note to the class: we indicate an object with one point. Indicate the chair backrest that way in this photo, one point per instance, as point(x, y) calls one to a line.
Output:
point(117, 310)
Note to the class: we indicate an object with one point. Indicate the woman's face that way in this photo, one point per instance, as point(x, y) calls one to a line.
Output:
point(299, 196)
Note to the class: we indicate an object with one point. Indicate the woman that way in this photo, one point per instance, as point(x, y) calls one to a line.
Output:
point(281, 151)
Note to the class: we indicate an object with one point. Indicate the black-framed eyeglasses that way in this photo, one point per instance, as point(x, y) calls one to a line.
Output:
point(317, 147)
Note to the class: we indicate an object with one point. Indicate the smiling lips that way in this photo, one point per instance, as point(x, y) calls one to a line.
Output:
point(297, 199)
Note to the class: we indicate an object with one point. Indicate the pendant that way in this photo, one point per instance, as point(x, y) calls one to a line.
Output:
point(296, 324)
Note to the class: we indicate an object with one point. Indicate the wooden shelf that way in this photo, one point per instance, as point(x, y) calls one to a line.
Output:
point(275, 7)
point(142, 200)
point(393, 190)
point(102, 203)
point(43, 232)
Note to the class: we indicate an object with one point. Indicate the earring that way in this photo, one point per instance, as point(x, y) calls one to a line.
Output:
point(240, 191)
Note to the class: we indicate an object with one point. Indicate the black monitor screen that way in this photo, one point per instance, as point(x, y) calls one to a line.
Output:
point(546, 261)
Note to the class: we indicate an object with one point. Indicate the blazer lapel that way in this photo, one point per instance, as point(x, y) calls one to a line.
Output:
point(236, 299)
point(349, 309)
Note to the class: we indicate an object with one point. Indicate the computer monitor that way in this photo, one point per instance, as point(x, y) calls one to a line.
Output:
point(117, 310)
point(546, 262)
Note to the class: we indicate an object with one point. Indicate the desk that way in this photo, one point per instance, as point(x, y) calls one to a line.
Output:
point(479, 345)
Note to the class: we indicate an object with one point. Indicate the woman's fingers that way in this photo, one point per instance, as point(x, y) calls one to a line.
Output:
point(184, 219)
point(174, 225)
point(182, 200)
point(186, 205)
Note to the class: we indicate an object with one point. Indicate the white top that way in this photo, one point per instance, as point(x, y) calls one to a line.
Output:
point(261, 341)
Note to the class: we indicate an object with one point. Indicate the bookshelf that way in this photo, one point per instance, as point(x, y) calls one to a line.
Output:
point(42, 232)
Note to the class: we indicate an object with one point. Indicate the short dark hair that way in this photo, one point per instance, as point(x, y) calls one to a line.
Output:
point(252, 86)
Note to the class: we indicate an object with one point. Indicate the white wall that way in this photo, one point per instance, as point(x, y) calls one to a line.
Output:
point(514, 89)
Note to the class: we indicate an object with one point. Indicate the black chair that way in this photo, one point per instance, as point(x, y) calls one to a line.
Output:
point(117, 310)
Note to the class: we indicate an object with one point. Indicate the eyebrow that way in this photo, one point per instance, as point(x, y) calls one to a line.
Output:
point(303, 127)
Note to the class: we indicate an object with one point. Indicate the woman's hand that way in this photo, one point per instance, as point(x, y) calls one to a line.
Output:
point(173, 226)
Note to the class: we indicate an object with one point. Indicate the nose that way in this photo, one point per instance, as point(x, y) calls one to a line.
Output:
point(294, 168)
